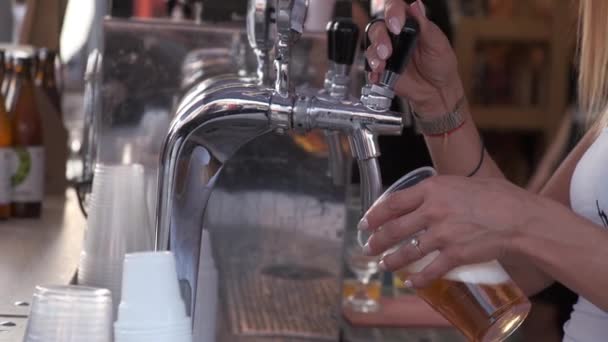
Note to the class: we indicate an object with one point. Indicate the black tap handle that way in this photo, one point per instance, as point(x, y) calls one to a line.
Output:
point(331, 51)
point(346, 35)
point(403, 46)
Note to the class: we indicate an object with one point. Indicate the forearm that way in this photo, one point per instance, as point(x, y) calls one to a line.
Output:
point(459, 152)
point(569, 249)
point(528, 277)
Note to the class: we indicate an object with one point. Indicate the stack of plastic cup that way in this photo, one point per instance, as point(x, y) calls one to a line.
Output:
point(151, 309)
point(118, 224)
point(70, 314)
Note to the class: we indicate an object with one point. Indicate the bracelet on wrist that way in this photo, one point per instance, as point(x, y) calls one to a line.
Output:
point(444, 124)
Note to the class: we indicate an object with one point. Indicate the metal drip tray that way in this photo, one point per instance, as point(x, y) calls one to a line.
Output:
point(295, 272)
point(282, 301)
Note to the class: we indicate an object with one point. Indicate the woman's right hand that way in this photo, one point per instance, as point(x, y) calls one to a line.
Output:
point(431, 82)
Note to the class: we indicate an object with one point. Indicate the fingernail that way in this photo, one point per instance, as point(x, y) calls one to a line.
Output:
point(408, 283)
point(363, 224)
point(382, 265)
point(382, 51)
point(395, 25)
point(419, 5)
point(367, 250)
point(374, 63)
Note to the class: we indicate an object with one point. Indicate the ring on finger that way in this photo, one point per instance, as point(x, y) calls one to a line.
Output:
point(416, 243)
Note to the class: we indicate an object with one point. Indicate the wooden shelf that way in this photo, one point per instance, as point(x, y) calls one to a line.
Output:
point(506, 29)
point(555, 32)
point(509, 118)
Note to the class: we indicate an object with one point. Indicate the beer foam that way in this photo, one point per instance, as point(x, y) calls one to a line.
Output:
point(488, 273)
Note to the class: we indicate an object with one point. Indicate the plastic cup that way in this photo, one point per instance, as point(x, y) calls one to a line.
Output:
point(150, 291)
point(118, 221)
point(404, 182)
point(118, 224)
point(151, 308)
point(480, 300)
point(70, 314)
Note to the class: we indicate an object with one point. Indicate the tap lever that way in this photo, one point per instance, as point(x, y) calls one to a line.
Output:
point(379, 97)
point(329, 76)
point(345, 36)
point(331, 51)
point(403, 48)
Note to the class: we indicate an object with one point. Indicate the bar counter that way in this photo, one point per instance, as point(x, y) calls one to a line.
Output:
point(46, 251)
point(40, 251)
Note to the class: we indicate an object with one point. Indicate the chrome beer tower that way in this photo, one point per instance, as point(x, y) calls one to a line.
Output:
point(277, 280)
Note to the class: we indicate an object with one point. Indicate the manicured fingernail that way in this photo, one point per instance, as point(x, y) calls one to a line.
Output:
point(382, 265)
point(408, 283)
point(363, 224)
point(374, 63)
point(382, 51)
point(367, 250)
point(419, 6)
point(395, 25)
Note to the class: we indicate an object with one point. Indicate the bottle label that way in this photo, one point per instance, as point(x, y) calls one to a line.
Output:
point(6, 168)
point(28, 174)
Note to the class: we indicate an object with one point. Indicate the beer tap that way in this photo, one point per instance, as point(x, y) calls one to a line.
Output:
point(366, 89)
point(345, 35)
point(221, 120)
point(290, 18)
point(260, 17)
point(329, 76)
point(378, 98)
point(342, 37)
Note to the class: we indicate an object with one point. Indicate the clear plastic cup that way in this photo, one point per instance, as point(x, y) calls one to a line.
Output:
point(70, 314)
point(118, 221)
point(150, 291)
point(481, 300)
point(118, 224)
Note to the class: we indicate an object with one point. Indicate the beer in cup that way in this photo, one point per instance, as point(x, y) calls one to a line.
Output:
point(481, 300)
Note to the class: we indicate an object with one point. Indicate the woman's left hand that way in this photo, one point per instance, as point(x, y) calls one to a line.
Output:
point(468, 220)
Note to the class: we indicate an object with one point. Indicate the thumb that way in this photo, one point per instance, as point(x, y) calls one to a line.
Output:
point(418, 11)
point(428, 30)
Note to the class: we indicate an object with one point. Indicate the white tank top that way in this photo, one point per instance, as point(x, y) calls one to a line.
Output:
point(589, 198)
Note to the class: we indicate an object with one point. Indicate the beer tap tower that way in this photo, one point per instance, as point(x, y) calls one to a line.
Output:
point(279, 272)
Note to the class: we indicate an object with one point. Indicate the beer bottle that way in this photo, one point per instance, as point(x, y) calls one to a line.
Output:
point(6, 74)
point(28, 177)
point(6, 142)
point(45, 76)
point(9, 84)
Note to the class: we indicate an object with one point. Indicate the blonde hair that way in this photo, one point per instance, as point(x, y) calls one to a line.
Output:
point(593, 50)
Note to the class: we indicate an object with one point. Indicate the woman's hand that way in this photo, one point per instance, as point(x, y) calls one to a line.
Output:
point(431, 81)
point(467, 220)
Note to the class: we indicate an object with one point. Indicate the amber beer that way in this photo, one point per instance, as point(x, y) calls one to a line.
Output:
point(28, 176)
point(480, 300)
